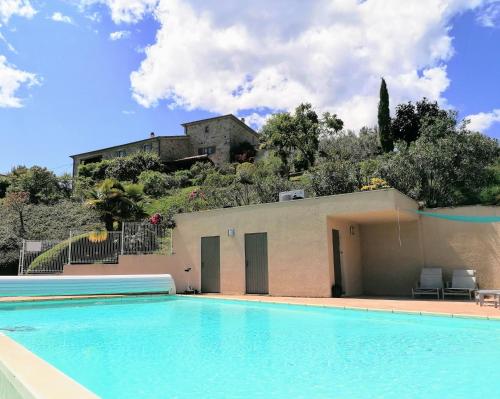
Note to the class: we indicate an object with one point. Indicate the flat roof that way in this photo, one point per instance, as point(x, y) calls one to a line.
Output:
point(397, 203)
point(129, 143)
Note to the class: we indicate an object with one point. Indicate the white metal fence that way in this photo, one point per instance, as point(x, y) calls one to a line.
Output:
point(84, 247)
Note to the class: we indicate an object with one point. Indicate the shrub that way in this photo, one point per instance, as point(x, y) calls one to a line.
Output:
point(180, 179)
point(95, 171)
point(490, 195)
point(376, 183)
point(331, 178)
point(199, 171)
point(4, 185)
point(129, 168)
point(155, 184)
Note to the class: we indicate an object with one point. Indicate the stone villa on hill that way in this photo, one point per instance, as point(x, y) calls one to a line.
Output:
point(204, 139)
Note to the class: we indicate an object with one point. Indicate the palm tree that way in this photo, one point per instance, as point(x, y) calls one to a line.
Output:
point(116, 202)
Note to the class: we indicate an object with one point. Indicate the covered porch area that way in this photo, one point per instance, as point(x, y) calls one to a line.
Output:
point(375, 252)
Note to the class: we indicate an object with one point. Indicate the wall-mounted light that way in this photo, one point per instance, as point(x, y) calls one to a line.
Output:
point(352, 231)
point(230, 232)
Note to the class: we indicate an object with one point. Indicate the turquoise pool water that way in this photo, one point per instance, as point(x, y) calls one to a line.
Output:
point(174, 347)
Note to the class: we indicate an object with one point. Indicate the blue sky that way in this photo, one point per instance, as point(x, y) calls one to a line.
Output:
point(67, 87)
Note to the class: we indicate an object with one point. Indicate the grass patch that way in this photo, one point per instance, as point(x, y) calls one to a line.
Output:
point(177, 200)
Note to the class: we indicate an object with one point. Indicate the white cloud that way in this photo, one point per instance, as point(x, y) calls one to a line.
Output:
point(489, 16)
point(124, 11)
point(21, 8)
point(121, 34)
point(255, 120)
point(11, 80)
point(58, 17)
point(483, 120)
point(7, 43)
point(94, 17)
point(243, 57)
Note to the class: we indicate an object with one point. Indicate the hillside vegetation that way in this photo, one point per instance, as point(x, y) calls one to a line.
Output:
point(427, 154)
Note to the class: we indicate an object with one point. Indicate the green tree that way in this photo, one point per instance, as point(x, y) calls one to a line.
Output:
point(350, 146)
point(41, 184)
point(443, 167)
point(384, 119)
point(410, 118)
point(295, 137)
point(17, 202)
point(116, 202)
point(490, 194)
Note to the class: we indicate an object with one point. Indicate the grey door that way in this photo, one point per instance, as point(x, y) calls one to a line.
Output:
point(256, 263)
point(337, 268)
point(210, 264)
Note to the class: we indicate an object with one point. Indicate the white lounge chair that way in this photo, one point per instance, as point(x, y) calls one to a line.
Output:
point(463, 283)
point(430, 282)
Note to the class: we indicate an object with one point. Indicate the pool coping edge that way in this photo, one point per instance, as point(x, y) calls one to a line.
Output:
point(35, 378)
point(354, 308)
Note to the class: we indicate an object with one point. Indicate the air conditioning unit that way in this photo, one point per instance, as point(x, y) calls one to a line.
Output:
point(291, 195)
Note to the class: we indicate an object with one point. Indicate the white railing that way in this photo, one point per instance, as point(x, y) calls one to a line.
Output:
point(83, 247)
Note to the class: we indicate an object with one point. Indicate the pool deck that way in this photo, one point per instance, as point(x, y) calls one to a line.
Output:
point(449, 308)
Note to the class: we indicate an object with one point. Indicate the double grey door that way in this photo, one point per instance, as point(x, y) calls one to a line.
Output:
point(210, 264)
point(256, 270)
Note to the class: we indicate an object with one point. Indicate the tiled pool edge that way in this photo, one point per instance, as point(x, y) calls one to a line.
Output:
point(341, 307)
point(29, 377)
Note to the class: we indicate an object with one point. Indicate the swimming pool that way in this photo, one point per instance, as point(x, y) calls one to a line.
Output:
point(175, 347)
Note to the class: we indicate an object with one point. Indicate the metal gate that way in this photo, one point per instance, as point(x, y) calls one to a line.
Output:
point(210, 264)
point(91, 247)
point(256, 268)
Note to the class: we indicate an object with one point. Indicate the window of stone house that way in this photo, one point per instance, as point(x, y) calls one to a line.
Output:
point(121, 153)
point(206, 129)
point(147, 147)
point(206, 150)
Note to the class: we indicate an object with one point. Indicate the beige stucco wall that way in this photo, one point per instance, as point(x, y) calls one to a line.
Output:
point(464, 245)
point(136, 264)
point(391, 268)
point(299, 240)
point(300, 251)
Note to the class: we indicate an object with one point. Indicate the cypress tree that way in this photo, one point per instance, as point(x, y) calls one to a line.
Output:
point(384, 119)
